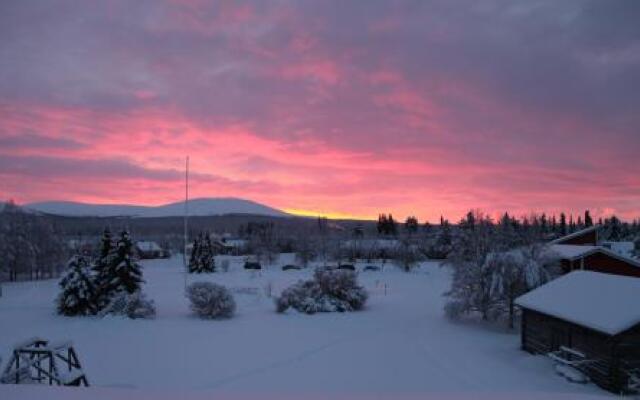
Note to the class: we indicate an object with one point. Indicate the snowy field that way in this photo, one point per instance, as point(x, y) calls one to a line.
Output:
point(401, 346)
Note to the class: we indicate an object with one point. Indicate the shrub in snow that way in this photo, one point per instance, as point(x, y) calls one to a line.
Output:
point(202, 259)
point(454, 309)
point(210, 300)
point(133, 305)
point(330, 290)
point(78, 291)
point(406, 255)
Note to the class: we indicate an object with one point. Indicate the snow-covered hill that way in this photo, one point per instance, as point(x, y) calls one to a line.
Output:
point(197, 207)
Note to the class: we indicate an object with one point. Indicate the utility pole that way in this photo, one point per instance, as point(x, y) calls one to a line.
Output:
point(186, 220)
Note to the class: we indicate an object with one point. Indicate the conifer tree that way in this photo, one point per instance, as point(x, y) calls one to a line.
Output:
point(563, 224)
point(411, 225)
point(382, 223)
point(202, 257)
point(588, 221)
point(124, 272)
point(195, 254)
point(391, 225)
point(102, 270)
point(78, 290)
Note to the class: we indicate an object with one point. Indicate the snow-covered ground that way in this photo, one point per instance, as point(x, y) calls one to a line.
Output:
point(400, 346)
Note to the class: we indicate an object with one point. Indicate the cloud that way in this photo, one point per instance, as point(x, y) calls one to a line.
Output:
point(420, 107)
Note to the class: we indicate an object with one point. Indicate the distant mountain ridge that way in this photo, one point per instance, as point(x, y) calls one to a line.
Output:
point(197, 207)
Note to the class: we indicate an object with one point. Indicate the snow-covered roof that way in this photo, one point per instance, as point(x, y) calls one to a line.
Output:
point(603, 302)
point(234, 242)
point(573, 251)
point(148, 246)
point(577, 251)
point(576, 234)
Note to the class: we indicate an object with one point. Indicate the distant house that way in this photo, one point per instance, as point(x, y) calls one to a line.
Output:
point(150, 250)
point(82, 246)
point(586, 236)
point(582, 250)
point(230, 246)
point(595, 258)
point(588, 321)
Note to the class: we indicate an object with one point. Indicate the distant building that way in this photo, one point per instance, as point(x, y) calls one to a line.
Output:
point(582, 250)
point(590, 322)
point(150, 250)
point(586, 236)
point(225, 244)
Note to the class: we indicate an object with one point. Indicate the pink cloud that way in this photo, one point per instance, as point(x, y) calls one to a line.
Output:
point(423, 110)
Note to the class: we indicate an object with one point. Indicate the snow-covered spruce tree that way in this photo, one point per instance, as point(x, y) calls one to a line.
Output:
point(210, 301)
point(195, 255)
point(118, 270)
point(125, 273)
point(102, 269)
point(202, 259)
point(121, 285)
point(78, 291)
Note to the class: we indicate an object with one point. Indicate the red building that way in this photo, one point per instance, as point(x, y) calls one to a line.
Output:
point(580, 251)
point(586, 236)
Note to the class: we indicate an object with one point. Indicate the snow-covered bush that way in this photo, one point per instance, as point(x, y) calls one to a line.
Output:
point(133, 305)
point(406, 255)
point(329, 291)
point(78, 290)
point(210, 300)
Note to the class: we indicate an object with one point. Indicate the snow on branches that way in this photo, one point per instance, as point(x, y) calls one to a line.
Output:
point(202, 259)
point(489, 273)
point(330, 290)
point(112, 285)
point(209, 300)
point(78, 289)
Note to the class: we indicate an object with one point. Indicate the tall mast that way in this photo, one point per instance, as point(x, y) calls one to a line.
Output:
point(186, 218)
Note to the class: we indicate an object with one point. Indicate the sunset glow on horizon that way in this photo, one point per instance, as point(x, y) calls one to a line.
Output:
point(339, 109)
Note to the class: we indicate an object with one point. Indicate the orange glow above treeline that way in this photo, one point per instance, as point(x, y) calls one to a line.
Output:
point(137, 159)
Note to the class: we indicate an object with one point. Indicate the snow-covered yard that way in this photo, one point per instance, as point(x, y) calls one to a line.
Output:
point(401, 345)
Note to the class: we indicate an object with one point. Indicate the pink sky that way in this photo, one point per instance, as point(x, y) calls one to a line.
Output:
point(333, 108)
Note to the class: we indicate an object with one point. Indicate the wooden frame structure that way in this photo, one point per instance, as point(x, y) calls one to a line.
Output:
point(37, 361)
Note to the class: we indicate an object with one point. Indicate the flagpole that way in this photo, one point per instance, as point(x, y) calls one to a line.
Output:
point(186, 219)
